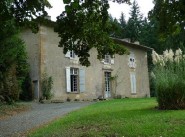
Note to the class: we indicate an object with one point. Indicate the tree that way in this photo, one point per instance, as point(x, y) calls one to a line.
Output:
point(85, 25)
point(23, 12)
point(171, 18)
point(115, 28)
point(123, 25)
point(134, 23)
point(170, 14)
point(13, 59)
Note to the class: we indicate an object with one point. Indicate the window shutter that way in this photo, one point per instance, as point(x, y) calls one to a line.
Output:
point(82, 80)
point(67, 54)
point(134, 79)
point(68, 81)
point(133, 82)
point(102, 61)
point(112, 61)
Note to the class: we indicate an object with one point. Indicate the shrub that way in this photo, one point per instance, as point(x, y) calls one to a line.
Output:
point(47, 84)
point(170, 80)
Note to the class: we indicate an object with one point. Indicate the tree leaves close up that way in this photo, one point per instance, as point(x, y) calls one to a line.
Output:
point(85, 25)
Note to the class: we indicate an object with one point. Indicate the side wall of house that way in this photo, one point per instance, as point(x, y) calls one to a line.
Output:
point(124, 71)
point(54, 63)
point(32, 42)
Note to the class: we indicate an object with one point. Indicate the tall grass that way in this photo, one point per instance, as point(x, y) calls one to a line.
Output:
point(170, 84)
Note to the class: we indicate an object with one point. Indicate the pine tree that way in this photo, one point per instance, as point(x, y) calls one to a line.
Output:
point(123, 25)
point(134, 23)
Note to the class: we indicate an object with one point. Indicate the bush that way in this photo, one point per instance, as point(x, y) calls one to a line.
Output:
point(47, 84)
point(170, 82)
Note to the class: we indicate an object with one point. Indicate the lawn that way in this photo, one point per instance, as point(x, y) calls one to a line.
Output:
point(118, 118)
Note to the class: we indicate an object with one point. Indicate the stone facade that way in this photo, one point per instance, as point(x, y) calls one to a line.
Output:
point(123, 75)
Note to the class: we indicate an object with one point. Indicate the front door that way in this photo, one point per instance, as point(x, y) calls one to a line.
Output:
point(107, 85)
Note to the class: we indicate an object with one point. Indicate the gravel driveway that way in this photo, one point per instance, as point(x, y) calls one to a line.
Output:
point(39, 114)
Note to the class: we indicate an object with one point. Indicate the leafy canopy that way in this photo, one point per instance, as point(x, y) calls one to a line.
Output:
point(134, 23)
point(85, 25)
point(170, 14)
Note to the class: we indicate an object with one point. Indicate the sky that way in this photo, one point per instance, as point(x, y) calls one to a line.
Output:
point(115, 8)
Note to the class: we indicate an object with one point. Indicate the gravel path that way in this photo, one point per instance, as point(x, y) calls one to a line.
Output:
point(39, 114)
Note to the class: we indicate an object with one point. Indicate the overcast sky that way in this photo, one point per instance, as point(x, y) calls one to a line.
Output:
point(115, 8)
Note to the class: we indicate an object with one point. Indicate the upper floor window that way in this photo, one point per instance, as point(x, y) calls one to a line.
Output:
point(132, 62)
point(72, 54)
point(108, 60)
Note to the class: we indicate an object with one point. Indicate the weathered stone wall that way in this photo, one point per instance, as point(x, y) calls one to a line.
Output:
point(32, 42)
point(54, 62)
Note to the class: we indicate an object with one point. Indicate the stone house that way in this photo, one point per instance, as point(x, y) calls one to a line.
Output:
point(123, 75)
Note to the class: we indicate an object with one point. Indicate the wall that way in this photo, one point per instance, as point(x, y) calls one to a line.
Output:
point(54, 62)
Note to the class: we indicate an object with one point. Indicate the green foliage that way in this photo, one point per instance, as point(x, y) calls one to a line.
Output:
point(117, 118)
point(170, 84)
point(170, 14)
point(115, 28)
point(13, 61)
point(85, 25)
point(134, 23)
point(123, 24)
point(23, 12)
point(46, 84)
point(26, 93)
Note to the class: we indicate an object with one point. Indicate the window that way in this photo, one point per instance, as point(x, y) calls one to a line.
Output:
point(75, 80)
point(72, 54)
point(108, 60)
point(107, 84)
point(133, 83)
point(132, 62)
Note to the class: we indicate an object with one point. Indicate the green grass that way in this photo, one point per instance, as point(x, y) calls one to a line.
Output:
point(118, 118)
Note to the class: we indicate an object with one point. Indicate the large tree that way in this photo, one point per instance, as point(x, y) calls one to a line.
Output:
point(13, 59)
point(115, 28)
point(134, 23)
point(170, 14)
point(85, 25)
point(123, 24)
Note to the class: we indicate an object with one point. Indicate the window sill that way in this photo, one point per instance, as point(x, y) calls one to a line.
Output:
point(133, 93)
point(73, 92)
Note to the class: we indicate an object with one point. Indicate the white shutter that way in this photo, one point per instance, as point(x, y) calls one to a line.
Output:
point(133, 82)
point(82, 80)
point(67, 54)
point(68, 81)
point(112, 61)
point(103, 60)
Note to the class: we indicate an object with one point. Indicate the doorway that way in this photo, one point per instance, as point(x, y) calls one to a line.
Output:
point(107, 85)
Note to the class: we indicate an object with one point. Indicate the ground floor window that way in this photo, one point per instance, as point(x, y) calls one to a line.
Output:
point(75, 79)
